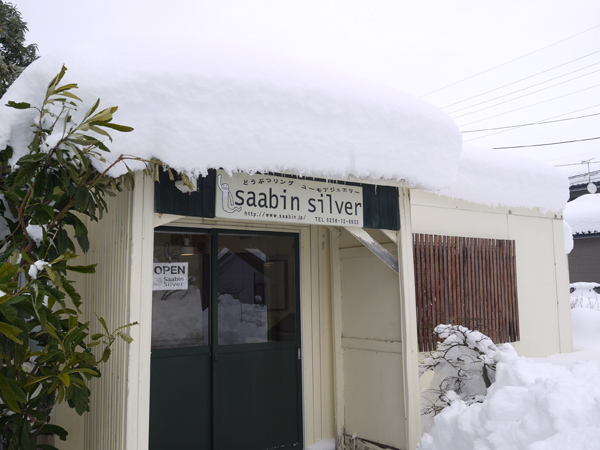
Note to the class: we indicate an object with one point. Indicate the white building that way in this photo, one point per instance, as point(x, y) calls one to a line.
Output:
point(286, 300)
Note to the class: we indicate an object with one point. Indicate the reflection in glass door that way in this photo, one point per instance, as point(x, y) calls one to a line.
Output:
point(180, 291)
point(225, 341)
point(256, 289)
point(180, 412)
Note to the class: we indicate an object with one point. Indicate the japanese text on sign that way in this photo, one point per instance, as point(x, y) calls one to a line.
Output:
point(280, 199)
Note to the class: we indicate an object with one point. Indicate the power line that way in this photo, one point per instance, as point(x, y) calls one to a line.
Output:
point(577, 164)
point(529, 106)
point(528, 87)
point(524, 95)
point(547, 118)
point(532, 123)
point(526, 78)
point(549, 143)
point(511, 61)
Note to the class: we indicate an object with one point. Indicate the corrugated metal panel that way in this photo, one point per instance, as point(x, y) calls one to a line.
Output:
point(107, 295)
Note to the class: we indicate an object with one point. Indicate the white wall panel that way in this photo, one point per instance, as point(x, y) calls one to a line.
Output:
point(541, 269)
point(371, 332)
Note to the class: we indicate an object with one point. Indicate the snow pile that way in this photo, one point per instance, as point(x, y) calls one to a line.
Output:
point(464, 365)
point(216, 105)
point(534, 404)
point(586, 330)
point(496, 178)
point(583, 214)
point(531, 406)
point(583, 295)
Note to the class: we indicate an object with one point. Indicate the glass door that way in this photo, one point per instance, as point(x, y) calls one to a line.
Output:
point(257, 370)
point(181, 369)
point(225, 341)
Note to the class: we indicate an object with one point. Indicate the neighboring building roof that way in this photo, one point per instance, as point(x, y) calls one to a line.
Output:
point(211, 105)
point(582, 173)
point(583, 214)
point(577, 190)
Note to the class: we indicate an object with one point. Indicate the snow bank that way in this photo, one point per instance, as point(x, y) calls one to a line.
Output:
point(583, 214)
point(586, 328)
point(533, 404)
point(464, 364)
point(530, 404)
point(583, 295)
point(211, 105)
point(496, 178)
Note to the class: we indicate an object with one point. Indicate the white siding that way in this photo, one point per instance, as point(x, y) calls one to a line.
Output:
point(372, 358)
point(116, 243)
point(105, 294)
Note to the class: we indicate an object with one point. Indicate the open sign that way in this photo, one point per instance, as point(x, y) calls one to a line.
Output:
point(170, 276)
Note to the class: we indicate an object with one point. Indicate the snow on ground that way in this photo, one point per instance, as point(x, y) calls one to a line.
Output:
point(218, 105)
point(535, 404)
point(325, 444)
point(583, 295)
point(583, 214)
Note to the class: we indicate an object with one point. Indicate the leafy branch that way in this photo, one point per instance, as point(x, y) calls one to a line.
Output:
point(47, 351)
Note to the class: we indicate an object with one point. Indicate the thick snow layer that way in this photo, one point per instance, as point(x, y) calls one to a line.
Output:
point(496, 178)
point(214, 105)
point(536, 404)
point(211, 105)
point(583, 214)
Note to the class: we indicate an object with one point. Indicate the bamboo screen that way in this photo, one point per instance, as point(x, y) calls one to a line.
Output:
point(465, 281)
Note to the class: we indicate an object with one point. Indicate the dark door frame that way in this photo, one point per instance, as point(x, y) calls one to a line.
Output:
point(213, 347)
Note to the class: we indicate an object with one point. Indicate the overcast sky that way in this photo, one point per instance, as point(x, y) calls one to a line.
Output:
point(417, 46)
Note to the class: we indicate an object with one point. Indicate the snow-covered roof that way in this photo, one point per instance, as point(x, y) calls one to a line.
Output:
point(211, 105)
point(493, 177)
point(581, 174)
point(583, 214)
point(216, 105)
